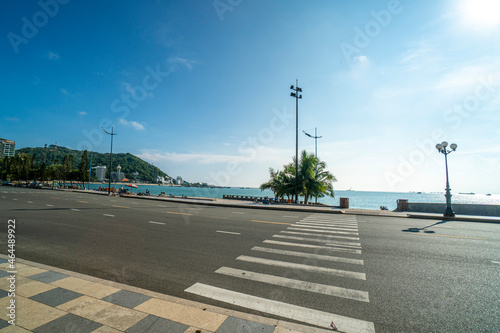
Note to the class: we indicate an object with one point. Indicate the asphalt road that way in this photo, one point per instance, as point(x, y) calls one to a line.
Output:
point(365, 273)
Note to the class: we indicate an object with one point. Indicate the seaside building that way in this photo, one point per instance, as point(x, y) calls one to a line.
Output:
point(7, 148)
point(118, 172)
point(179, 180)
point(100, 172)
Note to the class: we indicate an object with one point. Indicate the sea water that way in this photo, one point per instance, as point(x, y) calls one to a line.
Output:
point(357, 199)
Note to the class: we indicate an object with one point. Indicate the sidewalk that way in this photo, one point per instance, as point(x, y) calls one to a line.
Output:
point(49, 299)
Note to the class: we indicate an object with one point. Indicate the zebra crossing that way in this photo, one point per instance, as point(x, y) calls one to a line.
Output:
point(327, 246)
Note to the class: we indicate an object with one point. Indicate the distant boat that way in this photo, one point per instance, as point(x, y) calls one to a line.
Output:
point(471, 193)
point(488, 194)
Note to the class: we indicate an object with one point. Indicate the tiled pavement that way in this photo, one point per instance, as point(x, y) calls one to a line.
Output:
point(49, 300)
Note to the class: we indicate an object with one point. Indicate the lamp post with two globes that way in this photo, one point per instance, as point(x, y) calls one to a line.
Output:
point(441, 147)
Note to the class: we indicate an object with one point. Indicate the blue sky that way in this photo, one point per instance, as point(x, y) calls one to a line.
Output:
point(201, 89)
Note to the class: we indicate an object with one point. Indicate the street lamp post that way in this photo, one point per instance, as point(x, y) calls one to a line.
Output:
point(441, 147)
point(110, 157)
point(296, 95)
point(315, 137)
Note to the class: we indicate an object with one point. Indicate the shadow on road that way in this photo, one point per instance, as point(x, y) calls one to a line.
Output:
point(424, 229)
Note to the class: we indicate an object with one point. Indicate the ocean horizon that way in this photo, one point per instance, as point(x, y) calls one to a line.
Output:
point(357, 199)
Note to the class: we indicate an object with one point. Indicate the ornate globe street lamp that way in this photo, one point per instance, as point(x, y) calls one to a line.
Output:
point(441, 147)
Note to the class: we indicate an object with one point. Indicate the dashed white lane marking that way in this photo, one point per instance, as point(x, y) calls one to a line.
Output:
point(30, 201)
point(495, 262)
point(291, 216)
point(296, 284)
point(324, 231)
point(162, 206)
point(309, 255)
point(228, 232)
point(302, 314)
point(316, 269)
point(241, 213)
point(317, 240)
point(50, 205)
point(109, 215)
point(154, 222)
point(310, 234)
point(312, 246)
point(75, 210)
point(14, 199)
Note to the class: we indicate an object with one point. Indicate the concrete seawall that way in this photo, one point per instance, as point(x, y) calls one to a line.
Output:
point(459, 209)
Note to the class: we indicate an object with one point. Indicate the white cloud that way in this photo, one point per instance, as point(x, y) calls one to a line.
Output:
point(12, 119)
point(53, 56)
point(64, 91)
point(133, 124)
point(175, 61)
point(82, 113)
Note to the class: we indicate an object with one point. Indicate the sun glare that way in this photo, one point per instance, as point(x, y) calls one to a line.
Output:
point(482, 12)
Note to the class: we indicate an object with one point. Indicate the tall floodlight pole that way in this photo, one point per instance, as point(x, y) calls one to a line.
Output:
point(441, 147)
point(296, 95)
point(315, 137)
point(110, 157)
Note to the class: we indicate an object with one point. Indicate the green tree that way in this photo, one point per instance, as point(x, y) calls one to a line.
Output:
point(313, 179)
point(83, 168)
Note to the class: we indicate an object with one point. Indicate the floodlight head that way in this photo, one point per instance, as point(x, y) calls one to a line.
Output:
point(299, 89)
point(439, 146)
point(292, 87)
point(444, 144)
point(453, 146)
point(292, 94)
point(300, 96)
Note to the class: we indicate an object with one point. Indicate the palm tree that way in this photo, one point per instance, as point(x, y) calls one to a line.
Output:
point(313, 179)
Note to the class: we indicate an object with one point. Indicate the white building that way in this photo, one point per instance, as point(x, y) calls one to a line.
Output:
point(100, 171)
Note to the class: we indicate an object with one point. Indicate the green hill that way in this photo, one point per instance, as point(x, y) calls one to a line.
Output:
point(129, 163)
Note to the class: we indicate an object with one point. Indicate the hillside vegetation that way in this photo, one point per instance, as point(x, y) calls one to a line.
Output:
point(128, 162)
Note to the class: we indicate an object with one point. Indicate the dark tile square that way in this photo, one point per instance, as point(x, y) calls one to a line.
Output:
point(3, 293)
point(3, 324)
point(153, 324)
point(56, 297)
point(126, 298)
point(231, 325)
point(48, 277)
point(3, 274)
point(69, 323)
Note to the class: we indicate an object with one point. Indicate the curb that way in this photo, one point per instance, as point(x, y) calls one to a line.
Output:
point(277, 323)
point(310, 209)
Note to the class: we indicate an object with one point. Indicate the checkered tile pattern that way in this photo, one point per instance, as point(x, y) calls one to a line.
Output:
point(49, 301)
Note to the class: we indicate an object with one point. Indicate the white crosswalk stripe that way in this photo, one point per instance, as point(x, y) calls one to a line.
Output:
point(281, 309)
point(318, 230)
point(308, 255)
point(310, 246)
point(317, 240)
point(312, 226)
point(310, 234)
point(277, 263)
point(313, 240)
point(333, 226)
point(296, 284)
